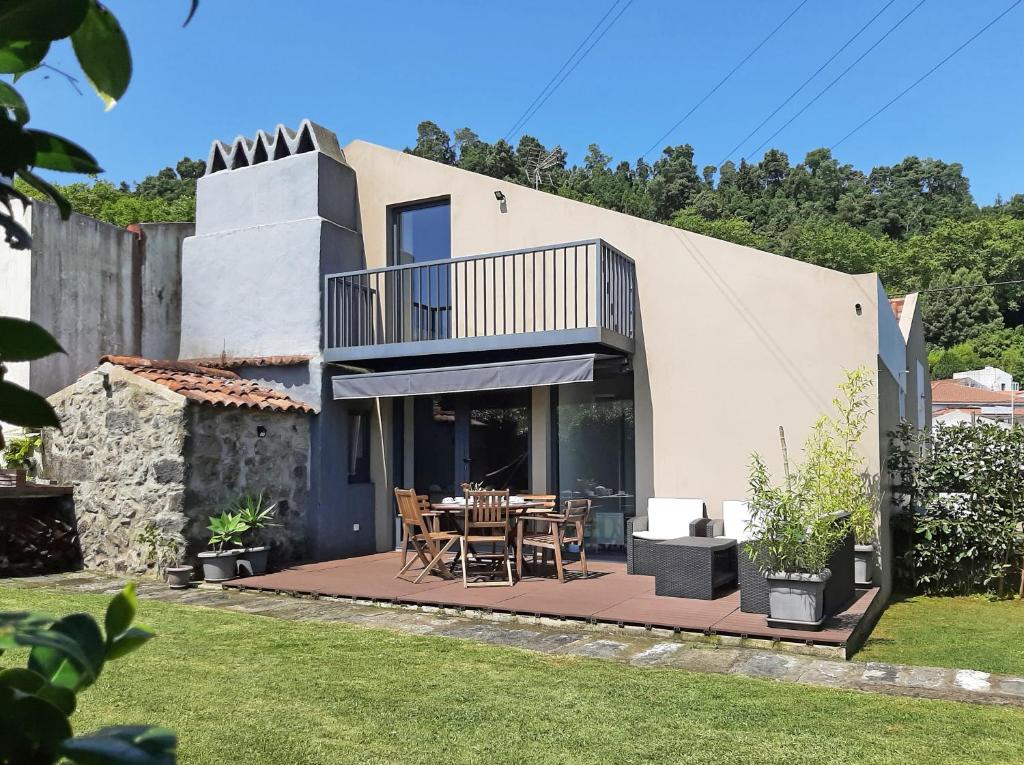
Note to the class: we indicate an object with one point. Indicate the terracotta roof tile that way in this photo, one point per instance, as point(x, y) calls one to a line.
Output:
point(897, 306)
point(206, 385)
point(954, 392)
point(233, 362)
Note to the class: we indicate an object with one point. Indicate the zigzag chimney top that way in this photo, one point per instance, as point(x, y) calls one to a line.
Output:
point(283, 142)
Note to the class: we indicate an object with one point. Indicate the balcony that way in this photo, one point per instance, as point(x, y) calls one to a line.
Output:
point(580, 294)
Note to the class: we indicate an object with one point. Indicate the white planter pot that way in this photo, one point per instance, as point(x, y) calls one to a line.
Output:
point(864, 565)
point(798, 599)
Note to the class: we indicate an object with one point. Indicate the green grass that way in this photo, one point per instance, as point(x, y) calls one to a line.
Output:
point(254, 690)
point(967, 633)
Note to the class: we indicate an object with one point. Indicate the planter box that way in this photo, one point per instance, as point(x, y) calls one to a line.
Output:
point(864, 565)
point(797, 600)
point(219, 566)
point(253, 561)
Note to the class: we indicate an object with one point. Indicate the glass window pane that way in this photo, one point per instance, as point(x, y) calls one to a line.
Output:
point(596, 453)
point(499, 440)
point(424, 234)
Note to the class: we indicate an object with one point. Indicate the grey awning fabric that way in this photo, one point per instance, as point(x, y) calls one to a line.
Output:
point(509, 374)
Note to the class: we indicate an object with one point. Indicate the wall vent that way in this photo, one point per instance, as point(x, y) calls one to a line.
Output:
point(266, 147)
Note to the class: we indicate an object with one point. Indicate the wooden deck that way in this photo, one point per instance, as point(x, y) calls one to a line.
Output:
point(609, 595)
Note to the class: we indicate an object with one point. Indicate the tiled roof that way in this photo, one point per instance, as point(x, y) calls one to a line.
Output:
point(206, 385)
point(897, 306)
point(233, 362)
point(953, 392)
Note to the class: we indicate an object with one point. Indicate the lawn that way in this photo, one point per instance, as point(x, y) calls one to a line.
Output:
point(255, 690)
point(969, 633)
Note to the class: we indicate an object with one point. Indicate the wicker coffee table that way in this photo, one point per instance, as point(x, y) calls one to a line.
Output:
point(694, 567)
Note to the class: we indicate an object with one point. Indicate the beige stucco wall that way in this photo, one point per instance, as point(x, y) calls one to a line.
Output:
point(731, 342)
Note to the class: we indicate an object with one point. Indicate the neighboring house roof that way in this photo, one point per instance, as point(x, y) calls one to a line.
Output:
point(234, 362)
point(955, 392)
point(206, 385)
point(897, 306)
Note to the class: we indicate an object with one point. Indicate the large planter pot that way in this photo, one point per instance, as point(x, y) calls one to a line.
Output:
point(797, 600)
point(179, 577)
point(219, 566)
point(864, 565)
point(253, 560)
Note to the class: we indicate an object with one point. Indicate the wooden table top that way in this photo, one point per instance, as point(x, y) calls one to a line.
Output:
point(525, 507)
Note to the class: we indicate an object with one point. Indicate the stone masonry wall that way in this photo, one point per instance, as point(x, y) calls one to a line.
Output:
point(121, 448)
point(226, 455)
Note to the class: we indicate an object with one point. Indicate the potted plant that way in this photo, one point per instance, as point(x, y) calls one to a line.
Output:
point(164, 551)
point(19, 458)
point(837, 471)
point(257, 516)
point(801, 522)
point(219, 564)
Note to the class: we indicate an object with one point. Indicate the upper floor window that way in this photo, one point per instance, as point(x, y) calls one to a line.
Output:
point(421, 232)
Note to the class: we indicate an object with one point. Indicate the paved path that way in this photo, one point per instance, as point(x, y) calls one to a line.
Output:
point(638, 647)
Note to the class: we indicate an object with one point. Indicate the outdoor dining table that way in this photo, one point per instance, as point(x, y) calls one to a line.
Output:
point(517, 510)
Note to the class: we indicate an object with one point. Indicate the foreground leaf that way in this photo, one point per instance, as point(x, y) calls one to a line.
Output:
point(56, 153)
point(120, 612)
point(22, 340)
point(25, 408)
point(11, 99)
point(128, 745)
point(20, 56)
point(33, 180)
point(40, 19)
point(128, 641)
point(102, 50)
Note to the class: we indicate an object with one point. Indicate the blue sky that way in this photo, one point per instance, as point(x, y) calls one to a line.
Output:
point(372, 70)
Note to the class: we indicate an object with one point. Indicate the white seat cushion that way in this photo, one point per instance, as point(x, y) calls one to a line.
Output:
point(736, 520)
point(649, 535)
point(670, 517)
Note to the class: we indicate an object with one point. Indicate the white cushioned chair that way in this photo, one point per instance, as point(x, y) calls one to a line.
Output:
point(667, 518)
point(736, 522)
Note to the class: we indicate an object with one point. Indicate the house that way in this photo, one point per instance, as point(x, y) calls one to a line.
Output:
point(958, 401)
point(462, 328)
point(989, 378)
point(170, 443)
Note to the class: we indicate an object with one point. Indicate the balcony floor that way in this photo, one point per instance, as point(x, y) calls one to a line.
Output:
point(609, 595)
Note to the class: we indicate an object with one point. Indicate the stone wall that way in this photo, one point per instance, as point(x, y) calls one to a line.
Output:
point(233, 451)
point(137, 453)
point(121, 447)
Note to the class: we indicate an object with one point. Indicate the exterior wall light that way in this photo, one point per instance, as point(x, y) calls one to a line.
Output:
point(499, 195)
point(261, 431)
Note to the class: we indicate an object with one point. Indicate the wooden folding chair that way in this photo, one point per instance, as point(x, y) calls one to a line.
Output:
point(422, 537)
point(567, 527)
point(486, 520)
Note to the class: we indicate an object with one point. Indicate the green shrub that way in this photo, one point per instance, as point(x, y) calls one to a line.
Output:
point(962, 492)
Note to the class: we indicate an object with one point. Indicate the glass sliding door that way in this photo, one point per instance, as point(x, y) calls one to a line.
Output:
point(596, 455)
point(499, 439)
point(481, 438)
point(422, 235)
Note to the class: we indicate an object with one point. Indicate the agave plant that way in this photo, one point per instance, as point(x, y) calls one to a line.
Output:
point(226, 529)
point(253, 512)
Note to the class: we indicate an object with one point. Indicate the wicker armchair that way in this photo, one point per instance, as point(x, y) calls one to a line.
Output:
point(667, 518)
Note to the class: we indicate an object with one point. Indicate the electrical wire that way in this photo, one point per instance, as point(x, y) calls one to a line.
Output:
point(920, 79)
point(842, 74)
point(722, 82)
point(527, 114)
point(806, 82)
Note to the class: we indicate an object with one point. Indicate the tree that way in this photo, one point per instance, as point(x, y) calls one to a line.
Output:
point(433, 143)
point(953, 316)
point(675, 181)
point(173, 183)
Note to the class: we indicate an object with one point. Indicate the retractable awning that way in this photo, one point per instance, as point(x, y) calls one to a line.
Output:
point(527, 373)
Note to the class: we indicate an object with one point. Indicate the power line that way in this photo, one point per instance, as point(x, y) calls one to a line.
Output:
point(725, 79)
point(965, 286)
point(527, 115)
point(920, 79)
point(842, 74)
point(806, 82)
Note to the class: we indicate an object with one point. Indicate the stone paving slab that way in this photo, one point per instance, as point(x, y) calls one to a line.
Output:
point(644, 649)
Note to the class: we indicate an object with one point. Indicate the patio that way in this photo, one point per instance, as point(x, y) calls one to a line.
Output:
point(609, 595)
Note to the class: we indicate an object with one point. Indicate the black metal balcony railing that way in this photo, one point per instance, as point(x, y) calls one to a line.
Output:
point(579, 285)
